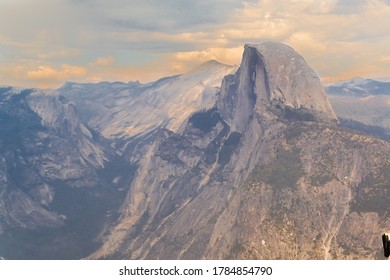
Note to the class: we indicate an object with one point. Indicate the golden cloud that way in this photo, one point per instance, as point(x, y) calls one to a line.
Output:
point(226, 55)
point(104, 61)
point(49, 73)
point(305, 42)
point(184, 61)
point(367, 71)
point(385, 58)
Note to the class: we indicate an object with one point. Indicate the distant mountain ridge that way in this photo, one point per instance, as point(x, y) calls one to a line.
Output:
point(363, 105)
point(360, 87)
point(131, 109)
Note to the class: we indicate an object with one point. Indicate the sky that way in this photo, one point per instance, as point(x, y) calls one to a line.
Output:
point(44, 43)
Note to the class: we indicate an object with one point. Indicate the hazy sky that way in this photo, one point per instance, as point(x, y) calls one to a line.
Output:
point(44, 43)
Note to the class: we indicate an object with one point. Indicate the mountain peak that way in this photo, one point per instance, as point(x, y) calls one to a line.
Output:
point(272, 47)
point(291, 80)
point(360, 87)
point(272, 74)
point(211, 65)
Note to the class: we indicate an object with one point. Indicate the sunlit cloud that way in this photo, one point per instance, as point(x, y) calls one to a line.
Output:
point(103, 61)
point(46, 76)
point(55, 54)
point(66, 71)
point(385, 58)
point(306, 42)
point(185, 60)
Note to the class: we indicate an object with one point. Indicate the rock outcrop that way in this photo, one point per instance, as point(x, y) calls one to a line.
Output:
point(272, 76)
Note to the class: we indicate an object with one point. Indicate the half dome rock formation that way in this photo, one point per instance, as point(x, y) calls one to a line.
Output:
point(273, 74)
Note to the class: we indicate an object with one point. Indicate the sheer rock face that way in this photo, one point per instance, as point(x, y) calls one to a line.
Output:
point(272, 74)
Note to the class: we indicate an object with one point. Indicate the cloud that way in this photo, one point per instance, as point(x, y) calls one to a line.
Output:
point(182, 61)
point(46, 73)
point(103, 61)
point(385, 58)
point(169, 16)
point(55, 54)
point(146, 38)
point(337, 38)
